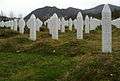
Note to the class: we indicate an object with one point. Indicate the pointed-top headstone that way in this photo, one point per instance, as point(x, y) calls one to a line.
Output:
point(79, 15)
point(106, 9)
point(32, 16)
point(55, 15)
point(15, 24)
point(79, 25)
point(86, 17)
point(32, 25)
point(87, 22)
point(70, 24)
point(21, 25)
point(38, 24)
point(62, 24)
point(55, 25)
point(106, 30)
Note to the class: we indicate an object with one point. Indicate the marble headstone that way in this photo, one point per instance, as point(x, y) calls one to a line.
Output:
point(70, 24)
point(38, 24)
point(15, 25)
point(106, 30)
point(87, 26)
point(32, 25)
point(21, 25)
point(55, 26)
point(80, 24)
point(63, 25)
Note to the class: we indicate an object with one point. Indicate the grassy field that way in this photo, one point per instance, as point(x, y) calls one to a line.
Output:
point(66, 59)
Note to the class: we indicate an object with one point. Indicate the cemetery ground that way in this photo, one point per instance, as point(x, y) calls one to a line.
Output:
point(66, 59)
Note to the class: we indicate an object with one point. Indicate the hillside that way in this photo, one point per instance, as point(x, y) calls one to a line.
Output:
point(46, 12)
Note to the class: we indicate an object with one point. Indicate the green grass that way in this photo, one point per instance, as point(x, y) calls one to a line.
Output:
point(66, 59)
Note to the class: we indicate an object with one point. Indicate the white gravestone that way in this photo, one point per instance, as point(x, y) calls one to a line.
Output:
point(116, 23)
point(21, 25)
point(15, 25)
point(66, 23)
point(59, 24)
point(75, 23)
point(70, 24)
point(106, 30)
point(32, 25)
point(38, 24)
point(91, 23)
point(11, 24)
point(80, 24)
point(2, 24)
point(62, 25)
point(50, 26)
point(7, 24)
point(28, 23)
point(94, 23)
point(55, 26)
point(87, 27)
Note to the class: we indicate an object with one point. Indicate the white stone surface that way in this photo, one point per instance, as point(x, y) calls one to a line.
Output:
point(75, 24)
point(70, 24)
point(116, 23)
point(12, 24)
point(21, 25)
point(55, 26)
point(50, 26)
point(94, 23)
point(15, 25)
point(2, 24)
point(29, 22)
point(7, 24)
point(106, 30)
point(59, 24)
point(87, 24)
point(38, 24)
point(63, 25)
point(66, 23)
point(91, 23)
point(45, 23)
point(32, 25)
point(79, 24)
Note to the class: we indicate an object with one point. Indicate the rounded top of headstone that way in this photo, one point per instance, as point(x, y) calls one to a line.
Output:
point(37, 19)
point(75, 20)
point(106, 8)
point(87, 17)
point(32, 16)
point(55, 15)
point(70, 19)
point(62, 18)
point(79, 15)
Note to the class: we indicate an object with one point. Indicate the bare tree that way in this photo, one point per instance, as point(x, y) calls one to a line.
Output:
point(2, 14)
point(11, 14)
point(20, 16)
